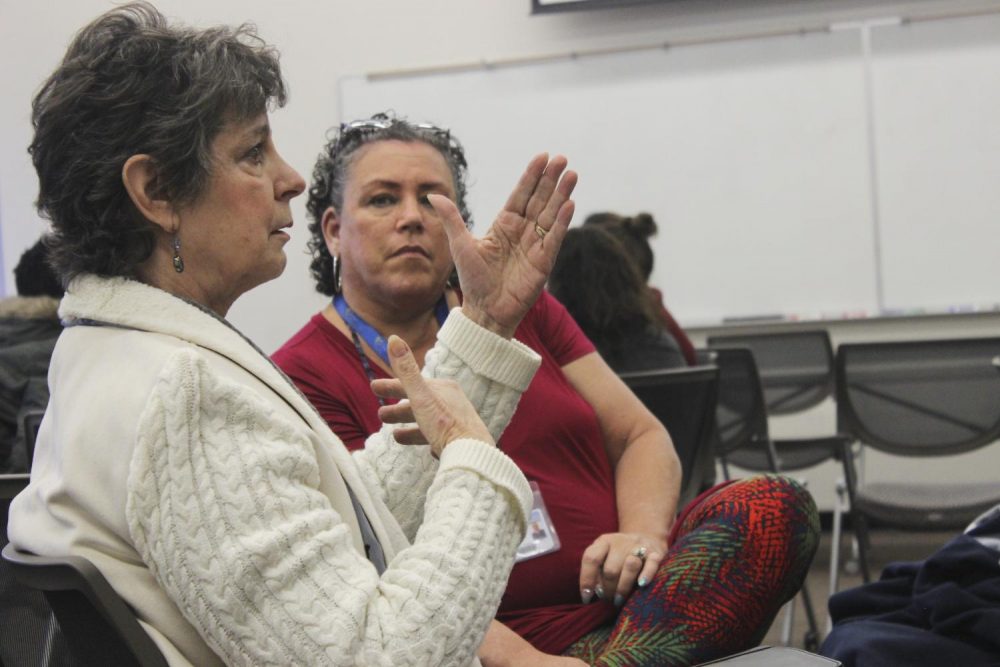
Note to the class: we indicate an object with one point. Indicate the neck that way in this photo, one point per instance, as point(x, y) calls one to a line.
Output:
point(159, 272)
point(417, 325)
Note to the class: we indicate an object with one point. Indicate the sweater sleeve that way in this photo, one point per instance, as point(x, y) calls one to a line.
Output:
point(224, 508)
point(493, 372)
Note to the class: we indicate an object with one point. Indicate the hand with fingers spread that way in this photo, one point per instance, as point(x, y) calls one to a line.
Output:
point(440, 409)
point(618, 562)
point(503, 272)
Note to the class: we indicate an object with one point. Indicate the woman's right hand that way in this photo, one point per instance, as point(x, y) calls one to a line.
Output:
point(503, 272)
point(439, 407)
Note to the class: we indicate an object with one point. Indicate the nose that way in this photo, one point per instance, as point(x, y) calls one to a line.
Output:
point(411, 215)
point(289, 183)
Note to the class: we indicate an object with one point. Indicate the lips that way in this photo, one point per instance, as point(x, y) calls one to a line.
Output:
point(411, 250)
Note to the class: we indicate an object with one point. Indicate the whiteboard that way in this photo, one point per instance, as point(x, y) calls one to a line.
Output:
point(937, 107)
point(755, 157)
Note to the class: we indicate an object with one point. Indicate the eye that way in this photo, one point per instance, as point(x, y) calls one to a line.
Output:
point(425, 201)
point(256, 154)
point(382, 199)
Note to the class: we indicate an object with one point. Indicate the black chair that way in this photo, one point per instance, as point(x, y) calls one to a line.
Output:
point(796, 367)
point(100, 629)
point(741, 427)
point(918, 399)
point(684, 400)
point(30, 423)
point(30, 634)
point(795, 371)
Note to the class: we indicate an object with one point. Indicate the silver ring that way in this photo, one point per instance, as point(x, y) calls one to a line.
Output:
point(640, 553)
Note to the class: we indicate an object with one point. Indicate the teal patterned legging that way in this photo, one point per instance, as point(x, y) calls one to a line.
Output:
point(736, 555)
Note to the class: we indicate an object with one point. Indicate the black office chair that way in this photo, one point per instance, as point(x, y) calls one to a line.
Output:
point(796, 371)
point(741, 427)
point(796, 367)
point(924, 399)
point(684, 400)
point(30, 634)
point(100, 629)
point(30, 423)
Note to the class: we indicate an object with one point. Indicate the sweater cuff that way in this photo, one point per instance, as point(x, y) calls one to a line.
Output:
point(507, 362)
point(491, 464)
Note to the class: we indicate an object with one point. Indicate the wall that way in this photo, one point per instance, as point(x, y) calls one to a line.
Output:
point(323, 42)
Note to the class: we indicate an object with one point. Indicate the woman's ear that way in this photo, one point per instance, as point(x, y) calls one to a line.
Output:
point(331, 230)
point(139, 175)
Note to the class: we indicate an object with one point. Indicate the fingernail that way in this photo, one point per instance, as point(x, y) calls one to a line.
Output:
point(600, 592)
point(619, 599)
point(586, 595)
point(398, 346)
point(642, 582)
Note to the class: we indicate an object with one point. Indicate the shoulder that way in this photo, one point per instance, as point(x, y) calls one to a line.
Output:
point(549, 325)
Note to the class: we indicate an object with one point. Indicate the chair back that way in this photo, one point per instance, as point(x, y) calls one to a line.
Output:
point(100, 629)
point(741, 415)
point(684, 400)
point(30, 423)
point(920, 398)
point(795, 367)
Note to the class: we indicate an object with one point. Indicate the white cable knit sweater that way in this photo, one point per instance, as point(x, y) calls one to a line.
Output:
point(179, 460)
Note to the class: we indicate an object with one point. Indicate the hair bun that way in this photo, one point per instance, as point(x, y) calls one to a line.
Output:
point(641, 225)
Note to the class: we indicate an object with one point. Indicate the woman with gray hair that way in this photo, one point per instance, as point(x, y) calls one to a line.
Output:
point(178, 459)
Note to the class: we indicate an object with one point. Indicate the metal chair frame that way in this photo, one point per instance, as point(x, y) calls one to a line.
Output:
point(748, 429)
point(935, 367)
point(99, 627)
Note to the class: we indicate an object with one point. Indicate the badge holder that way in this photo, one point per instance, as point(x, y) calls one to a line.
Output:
point(541, 537)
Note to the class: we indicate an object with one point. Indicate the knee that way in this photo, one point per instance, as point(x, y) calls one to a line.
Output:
point(785, 500)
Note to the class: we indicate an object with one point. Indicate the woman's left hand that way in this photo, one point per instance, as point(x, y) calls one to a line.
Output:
point(615, 562)
point(503, 272)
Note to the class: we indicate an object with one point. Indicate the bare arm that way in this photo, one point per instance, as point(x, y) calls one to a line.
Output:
point(503, 647)
point(647, 481)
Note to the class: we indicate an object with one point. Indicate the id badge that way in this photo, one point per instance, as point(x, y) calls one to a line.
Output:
point(541, 537)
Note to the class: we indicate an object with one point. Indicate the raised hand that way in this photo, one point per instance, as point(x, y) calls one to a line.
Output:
point(440, 408)
point(503, 272)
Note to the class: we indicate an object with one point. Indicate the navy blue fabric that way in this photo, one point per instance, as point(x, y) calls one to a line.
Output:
point(941, 611)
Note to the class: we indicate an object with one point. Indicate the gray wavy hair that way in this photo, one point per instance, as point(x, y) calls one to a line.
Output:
point(333, 168)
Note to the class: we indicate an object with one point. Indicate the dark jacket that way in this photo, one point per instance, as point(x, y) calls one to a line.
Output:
point(29, 327)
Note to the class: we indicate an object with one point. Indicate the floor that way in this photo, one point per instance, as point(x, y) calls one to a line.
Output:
point(887, 546)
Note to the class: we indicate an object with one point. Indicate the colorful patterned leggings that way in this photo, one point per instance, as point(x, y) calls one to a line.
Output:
point(738, 553)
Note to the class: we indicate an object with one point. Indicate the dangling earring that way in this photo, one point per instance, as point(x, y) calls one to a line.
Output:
point(336, 275)
point(178, 262)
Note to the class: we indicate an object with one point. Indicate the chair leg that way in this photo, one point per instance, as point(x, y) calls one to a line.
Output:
point(857, 521)
point(836, 534)
point(786, 624)
point(863, 539)
point(811, 638)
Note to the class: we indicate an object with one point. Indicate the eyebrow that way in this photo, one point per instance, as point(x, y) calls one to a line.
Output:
point(261, 131)
point(387, 183)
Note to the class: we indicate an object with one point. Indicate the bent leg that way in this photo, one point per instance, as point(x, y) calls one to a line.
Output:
point(740, 554)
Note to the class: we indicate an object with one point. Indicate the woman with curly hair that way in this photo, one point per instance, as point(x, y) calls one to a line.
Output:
point(607, 573)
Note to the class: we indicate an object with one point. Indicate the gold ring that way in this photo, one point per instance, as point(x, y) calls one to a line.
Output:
point(640, 553)
point(541, 231)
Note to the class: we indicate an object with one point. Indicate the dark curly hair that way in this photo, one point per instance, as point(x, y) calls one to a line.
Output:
point(132, 84)
point(601, 287)
point(333, 165)
point(634, 232)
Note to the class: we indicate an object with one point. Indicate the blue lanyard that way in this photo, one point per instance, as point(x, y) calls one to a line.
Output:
point(375, 340)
